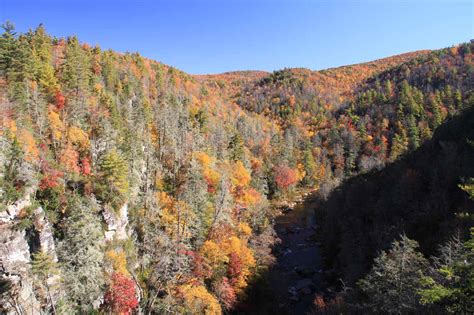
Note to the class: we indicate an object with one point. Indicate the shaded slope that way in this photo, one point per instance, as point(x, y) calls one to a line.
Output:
point(418, 195)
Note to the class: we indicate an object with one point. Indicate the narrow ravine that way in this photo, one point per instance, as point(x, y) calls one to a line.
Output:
point(295, 278)
point(291, 283)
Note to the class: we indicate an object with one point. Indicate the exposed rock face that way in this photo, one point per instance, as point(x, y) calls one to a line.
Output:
point(46, 241)
point(15, 264)
point(15, 259)
point(15, 269)
point(15, 254)
point(45, 232)
point(116, 223)
point(12, 211)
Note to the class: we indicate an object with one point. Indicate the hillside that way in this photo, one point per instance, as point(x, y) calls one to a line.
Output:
point(128, 184)
point(418, 196)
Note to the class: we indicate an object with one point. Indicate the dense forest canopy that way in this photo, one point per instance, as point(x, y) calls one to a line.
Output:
point(127, 184)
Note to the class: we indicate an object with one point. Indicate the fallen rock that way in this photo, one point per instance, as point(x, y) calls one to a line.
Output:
point(303, 283)
point(316, 278)
point(306, 291)
point(292, 291)
point(294, 298)
point(286, 209)
point(304, 271)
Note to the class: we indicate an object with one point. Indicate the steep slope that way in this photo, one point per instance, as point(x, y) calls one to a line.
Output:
point(148, 181)
point(418, 195)
point(136, 184)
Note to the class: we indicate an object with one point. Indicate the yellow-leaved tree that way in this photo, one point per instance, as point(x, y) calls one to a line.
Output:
point(198, 300)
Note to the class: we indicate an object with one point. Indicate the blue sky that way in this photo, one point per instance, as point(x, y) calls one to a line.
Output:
point(213, 36)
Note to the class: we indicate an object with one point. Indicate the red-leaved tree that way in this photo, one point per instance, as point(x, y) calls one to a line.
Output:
point(225, 293)
point(86, 166)
point(234, 269)
point(59, 100)
point(120, 297)
point(285, 177)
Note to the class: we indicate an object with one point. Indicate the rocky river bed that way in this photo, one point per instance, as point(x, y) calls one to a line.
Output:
point(296, 276)
point(291, 283)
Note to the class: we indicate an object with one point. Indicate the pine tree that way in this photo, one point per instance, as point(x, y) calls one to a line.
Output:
point(235, 147)
point(44, 267)
point(450, 284)
point(7, 47)
point(309, 168)
point(15, 64)
point(394, 281)
point(114, 185)
point(42, 61)
point(413, 133)
point(75, 77)
point(435, 106)
point(10, 190)
point(81, 254)
point(399, 144)
point(74, 71)
point(458, 99)
point(406, 97)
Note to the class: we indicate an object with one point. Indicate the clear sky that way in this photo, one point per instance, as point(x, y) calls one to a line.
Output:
point(213, 36)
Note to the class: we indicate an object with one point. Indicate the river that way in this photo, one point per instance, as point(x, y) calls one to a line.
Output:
point(292, 282)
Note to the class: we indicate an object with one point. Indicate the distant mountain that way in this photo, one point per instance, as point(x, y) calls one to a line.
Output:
point(125, 182)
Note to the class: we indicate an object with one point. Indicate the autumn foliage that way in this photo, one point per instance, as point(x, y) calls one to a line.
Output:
point(285, 177)
point(120, 297)
point(60, 100)
point(179, 173)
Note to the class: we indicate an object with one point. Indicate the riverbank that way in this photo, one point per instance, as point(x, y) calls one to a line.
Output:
point(295, 278)
point(290, 285)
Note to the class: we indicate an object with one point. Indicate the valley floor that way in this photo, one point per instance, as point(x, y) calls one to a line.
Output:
point(294, 279)
point(296, 275)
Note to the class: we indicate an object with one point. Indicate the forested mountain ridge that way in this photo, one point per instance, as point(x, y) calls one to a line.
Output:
point(420, 196)
point(127, 184)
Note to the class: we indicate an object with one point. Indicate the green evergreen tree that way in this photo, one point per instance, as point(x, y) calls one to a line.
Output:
point(7, 47)
point(451, 284)
point(75, 77)
point(43, 60)
point(309, 167)
point(15, 64)
point(81, 255)
point(435, 106)
point(44, 267)
point(236, 147)
point(10, 188)
point(75, 69)
point(413, 133)
point(458, 99)
point(399, 144)
point(394, 281)
point(114, 185)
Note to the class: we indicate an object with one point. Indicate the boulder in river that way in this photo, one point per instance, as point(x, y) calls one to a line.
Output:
point(285, 209)
point(294, 298)
point(306, 291)
point(292, 290)
point(304, 271)
point(304, 283)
